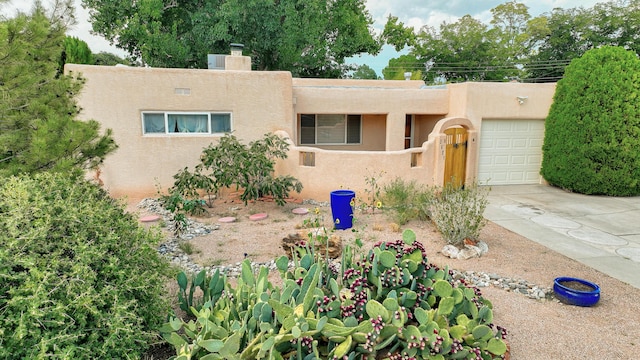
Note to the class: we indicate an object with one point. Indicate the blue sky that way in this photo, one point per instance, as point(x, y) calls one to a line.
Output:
point(415, 13)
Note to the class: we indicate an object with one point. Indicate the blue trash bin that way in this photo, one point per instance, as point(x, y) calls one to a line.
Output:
point(341, 208)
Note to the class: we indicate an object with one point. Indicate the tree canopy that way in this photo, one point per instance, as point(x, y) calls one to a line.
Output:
point(310, 38)
point(365, 72)
point(109, 59)
point(38, 129)
point(401, 65)
point(513, 45)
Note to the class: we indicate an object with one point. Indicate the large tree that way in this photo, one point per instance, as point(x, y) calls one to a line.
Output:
point(592, 132)
point(404, 64)
point(365, 72)
point(38, 129)
point(512, 42)
point(513, 45)
point(306, 37)
point(467, 49)
point(558, 37)
point(75, 51)
point(458, 51)
point(565, 34)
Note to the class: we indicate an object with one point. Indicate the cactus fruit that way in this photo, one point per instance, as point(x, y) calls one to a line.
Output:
point(388, 303)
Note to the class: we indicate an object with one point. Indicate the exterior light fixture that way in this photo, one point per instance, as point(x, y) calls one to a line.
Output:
point(521, 99)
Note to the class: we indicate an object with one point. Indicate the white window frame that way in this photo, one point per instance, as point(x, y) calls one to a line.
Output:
point(166, 115)
point(346, 128)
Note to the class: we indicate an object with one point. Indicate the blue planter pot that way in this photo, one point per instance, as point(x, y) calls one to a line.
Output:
point(567, 294)
point(341, 209)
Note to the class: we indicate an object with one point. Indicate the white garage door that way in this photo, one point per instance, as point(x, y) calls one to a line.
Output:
point(510, 152)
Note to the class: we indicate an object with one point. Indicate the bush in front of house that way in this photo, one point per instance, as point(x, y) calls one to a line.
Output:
point(407, 200)
point(458, 213)
point(592, 132)
point(79, 278)
point(248, 167)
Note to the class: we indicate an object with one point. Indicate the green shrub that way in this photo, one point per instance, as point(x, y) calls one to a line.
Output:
point(592, 132)
point(458, 212)
point(231, 163)
point(407, 200)
point(389, 303)
point(79, 279)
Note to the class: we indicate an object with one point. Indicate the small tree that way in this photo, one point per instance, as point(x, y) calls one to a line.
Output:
point(592, 132)
point(38, 129)
point(231, 163)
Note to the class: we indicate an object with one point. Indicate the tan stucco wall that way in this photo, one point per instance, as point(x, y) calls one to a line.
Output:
point(348, 97)
point(499, 100)
point(335, 170)
point(477, 101)
point(423, 126)
point(260, 102)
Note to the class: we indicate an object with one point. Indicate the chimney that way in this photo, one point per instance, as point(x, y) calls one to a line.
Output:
point(237, 61)
point(236, 49)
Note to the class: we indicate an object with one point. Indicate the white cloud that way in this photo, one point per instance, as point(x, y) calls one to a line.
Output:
point(82, 30)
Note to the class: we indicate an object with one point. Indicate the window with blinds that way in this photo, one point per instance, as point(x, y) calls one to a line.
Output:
point(330, 129)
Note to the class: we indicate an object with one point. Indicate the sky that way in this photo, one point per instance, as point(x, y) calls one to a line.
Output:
point(416, 13)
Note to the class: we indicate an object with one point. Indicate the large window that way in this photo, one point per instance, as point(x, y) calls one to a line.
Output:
point(330, 129)
point(185, 123)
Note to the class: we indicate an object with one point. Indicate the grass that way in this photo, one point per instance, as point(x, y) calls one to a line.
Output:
point(188, 248)
point(215, 262)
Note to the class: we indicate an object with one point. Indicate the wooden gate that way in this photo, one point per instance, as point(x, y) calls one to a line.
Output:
point(455, 156)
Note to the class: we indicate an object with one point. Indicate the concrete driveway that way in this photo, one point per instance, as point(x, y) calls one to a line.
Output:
point(599, 231)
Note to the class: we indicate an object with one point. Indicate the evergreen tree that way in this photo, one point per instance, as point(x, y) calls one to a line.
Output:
point(76, 51)
point(38, 129)
point(592, 132)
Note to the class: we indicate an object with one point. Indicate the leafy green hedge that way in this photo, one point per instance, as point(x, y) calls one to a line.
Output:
point(592, 132)
point(79, 279)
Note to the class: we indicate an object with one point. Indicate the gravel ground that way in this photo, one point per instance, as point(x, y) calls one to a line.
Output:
point(537, 329)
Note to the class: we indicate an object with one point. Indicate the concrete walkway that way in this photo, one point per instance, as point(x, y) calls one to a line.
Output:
point(599, 231)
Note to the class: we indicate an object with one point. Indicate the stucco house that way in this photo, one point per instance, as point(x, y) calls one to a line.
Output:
point(340, 131)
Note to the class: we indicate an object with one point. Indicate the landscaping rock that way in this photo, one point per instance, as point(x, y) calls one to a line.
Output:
point(468, 252)
point(334, 242)
point(171, 251)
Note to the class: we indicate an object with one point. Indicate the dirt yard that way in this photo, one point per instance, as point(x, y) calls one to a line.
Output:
point(537, 329)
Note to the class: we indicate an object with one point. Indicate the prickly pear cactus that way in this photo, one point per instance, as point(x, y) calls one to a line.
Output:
point(389, 303)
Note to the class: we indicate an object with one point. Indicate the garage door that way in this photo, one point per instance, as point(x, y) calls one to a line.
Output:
point(510, 152)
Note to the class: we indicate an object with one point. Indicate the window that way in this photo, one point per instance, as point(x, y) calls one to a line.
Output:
point(330, 129)
point(185, 123)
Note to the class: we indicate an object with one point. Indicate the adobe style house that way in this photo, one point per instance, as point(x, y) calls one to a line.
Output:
point(341, 131)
